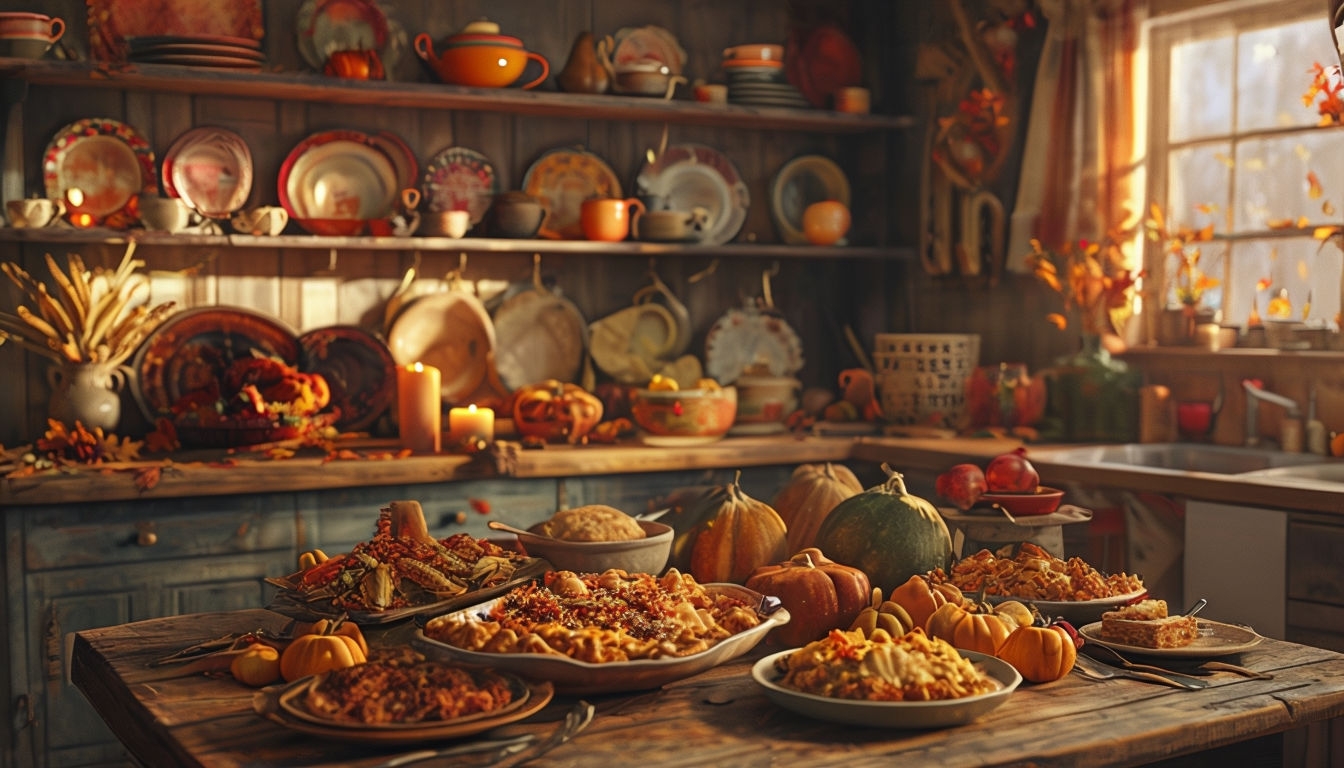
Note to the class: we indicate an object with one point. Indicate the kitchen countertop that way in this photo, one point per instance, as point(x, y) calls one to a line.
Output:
point(213, 474)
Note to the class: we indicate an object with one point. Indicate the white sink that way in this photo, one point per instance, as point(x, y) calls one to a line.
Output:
point(1323, 472)
point(1189, 457)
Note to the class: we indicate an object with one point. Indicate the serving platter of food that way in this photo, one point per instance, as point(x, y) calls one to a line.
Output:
point(1147, 628)
point(856, 680)
point(418, 700)
point(641, 631)
point(402, 571)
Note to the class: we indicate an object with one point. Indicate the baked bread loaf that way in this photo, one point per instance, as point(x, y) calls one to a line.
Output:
point(1145, 624)
point(592, 522)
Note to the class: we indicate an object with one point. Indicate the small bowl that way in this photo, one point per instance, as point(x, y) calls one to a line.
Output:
point(646, 555)
point(754, 52)
point(1042, 501)
point(686, 413)
point(763, 399)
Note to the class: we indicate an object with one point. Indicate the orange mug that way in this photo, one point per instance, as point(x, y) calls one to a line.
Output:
point(608, 219)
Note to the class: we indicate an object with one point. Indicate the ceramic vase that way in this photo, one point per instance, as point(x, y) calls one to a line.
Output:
point(88, 393)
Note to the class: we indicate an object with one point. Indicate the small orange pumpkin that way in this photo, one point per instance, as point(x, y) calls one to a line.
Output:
point(920, 598)
point(257, 666)
point(970, 629)
point(820, 595)
point(321, 651)
point(1040, 653)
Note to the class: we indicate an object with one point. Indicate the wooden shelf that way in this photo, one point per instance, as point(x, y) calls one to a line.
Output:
point(99, 236)
point(302, 86)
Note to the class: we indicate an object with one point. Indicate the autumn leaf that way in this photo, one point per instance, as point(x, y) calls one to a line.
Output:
point(1279, 223)
point(1324, 233)
point(146, 479)
point(480, 505)
point(1263, 283)
point(1058, 320)
point(1313, 185)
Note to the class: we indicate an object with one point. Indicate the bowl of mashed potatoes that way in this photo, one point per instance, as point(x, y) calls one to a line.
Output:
point(596, 537)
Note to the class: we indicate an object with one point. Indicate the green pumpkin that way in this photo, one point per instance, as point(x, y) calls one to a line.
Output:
point(887, 533)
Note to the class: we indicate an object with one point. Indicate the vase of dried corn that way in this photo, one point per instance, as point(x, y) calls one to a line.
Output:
point(88, 393)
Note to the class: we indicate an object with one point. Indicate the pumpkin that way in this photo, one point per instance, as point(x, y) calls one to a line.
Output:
point(687, 510)
point(970, 628)
point(920, 597)
point(1040, 653)
point(810, 495)
point(257, 666)
point(887, 533)
point(741, 535)
point(553, 410)
point(885, 615)
point(820, 595)
point(321, 651)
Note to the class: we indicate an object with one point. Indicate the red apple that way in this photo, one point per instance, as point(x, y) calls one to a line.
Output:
point(1012, 472)
point(961, 485)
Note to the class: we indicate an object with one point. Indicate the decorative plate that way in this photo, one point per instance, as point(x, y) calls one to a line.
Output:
point(801, 182)
point(574, 677)
point(689, 176)
point(358, 368)
point(450, 331)
point(104, 159)
point(214, 61)
point(890, 714)
point(193, 348)
point(540, 336)
point(283, 705)
point(216, 43)
point(178, 47)
point(338, 175)
point(750, 339)
point(115, 24)
point(562, 179)
point(1215, 639)
point(326, 26)
point(401, 155)
point(460, 179)
point(635, 45)
point(210, 169)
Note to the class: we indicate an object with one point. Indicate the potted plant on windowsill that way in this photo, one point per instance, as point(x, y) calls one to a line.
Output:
point(1189, 281)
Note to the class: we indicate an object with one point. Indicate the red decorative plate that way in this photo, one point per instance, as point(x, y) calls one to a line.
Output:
point(460, 179)
point(358, 368)
point(340, 174)
point(104, 159)
point(562, 179)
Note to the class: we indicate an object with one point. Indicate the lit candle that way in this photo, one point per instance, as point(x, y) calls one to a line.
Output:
point(418, 403)
point(471, 424)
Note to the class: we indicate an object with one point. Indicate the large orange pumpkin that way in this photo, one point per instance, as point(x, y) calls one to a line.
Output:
point(820, 595)
point(741, 535)
point(810, 495)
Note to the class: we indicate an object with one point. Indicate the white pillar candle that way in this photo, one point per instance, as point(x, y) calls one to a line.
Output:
point(419, 399)
point(471, 424)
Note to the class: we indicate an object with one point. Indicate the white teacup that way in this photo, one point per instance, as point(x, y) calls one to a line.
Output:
point(269, 220)
point(165, 214)
point(671, 226)
point(34, 212)
point(452, 224)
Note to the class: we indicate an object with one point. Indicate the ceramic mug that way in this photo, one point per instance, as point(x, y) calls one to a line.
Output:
point(608, 219)
point(670, 226)
point(454, 224)
point(34, 212)
point(269, 220)
point(31, 26)
point(165, 214)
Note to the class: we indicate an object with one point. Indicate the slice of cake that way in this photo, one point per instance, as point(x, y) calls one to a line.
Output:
point(1145, 624)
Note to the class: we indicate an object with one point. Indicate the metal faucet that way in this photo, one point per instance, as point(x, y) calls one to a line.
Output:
point(1254, 394)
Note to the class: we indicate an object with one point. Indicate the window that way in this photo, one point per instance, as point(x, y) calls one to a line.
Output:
point(1235, 147)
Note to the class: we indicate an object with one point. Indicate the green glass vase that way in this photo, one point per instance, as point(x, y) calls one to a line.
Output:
point(1093, 398)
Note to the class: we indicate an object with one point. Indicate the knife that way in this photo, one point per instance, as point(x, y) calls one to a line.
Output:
point(1113, 658)
point(1095, 668)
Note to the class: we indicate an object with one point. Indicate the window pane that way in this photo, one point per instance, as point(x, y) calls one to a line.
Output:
point(1274, 68)
point(1272, 184)
point(1199, 187)
point(1300, 265)
point(1201, 89)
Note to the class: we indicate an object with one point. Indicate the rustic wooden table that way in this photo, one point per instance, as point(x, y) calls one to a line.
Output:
point(720, 717)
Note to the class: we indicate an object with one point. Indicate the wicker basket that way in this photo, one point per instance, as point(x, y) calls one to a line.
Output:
point(921, 377)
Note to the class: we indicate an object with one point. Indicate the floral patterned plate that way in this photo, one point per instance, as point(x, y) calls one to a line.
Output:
point(460, 179)
point(358, 368)
point(210, 169)
point(562, 179)
point(105, 160)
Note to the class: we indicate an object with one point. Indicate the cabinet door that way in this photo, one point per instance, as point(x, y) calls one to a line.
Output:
point(1236, 557)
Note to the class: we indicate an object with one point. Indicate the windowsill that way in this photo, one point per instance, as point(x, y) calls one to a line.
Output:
point(1243, 353)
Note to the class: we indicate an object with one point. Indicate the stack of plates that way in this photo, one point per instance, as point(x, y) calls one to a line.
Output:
point(211, 51)
point(761, 83)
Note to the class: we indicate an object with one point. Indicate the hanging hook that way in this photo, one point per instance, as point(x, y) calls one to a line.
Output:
point(706, 272)
point(536, 274)
point(766, 295)
point(331, 260)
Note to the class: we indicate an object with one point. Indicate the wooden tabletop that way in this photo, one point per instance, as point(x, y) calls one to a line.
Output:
point(166, 716)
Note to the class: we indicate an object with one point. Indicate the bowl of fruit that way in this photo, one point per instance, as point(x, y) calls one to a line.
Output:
point(1008, 483)
point(669, 415)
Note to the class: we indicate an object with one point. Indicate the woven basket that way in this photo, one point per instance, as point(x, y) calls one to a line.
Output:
point(921, 377)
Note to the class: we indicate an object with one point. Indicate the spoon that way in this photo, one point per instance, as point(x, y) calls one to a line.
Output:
point(1197, 607)
point(496, 525)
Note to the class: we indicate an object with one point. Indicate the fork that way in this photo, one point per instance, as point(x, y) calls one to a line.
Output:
point(1091, 668)
point(578, 718)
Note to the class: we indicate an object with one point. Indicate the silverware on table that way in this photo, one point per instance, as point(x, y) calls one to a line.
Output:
point(502, 748)
point(1090, 667)
point(578, 718)
point(1107, 655)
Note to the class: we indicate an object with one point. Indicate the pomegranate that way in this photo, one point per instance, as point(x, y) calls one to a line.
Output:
point(961, 485)
point(1012, 472)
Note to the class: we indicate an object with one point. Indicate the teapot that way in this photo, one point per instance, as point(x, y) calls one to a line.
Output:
point(479, 56)
point(639, 78)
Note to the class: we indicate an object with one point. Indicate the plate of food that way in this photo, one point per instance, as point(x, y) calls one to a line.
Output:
point(620, 650)
point(1068, 588)
point(829, 680)
point(1146, 628)
point(336, 704)
point(403, 571)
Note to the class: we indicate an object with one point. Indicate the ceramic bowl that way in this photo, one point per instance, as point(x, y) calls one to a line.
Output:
point(766, 399)
point(695, 413)
point(754, 52)
point(1042, 501)
point(646, 555)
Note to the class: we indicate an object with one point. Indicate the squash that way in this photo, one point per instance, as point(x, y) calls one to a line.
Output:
point(820, 595)
point(555, 411)
point(1040, 653)
point(810, 495)
point(920, 597)
point(741, 535)
point(257, 666)
point(970, 628)
point(321, 651)
point(882, 614)
point(887, 533)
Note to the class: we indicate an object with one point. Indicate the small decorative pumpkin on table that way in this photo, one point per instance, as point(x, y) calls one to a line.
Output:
point(330, 645)
point(1041, 651)
point(820, 595)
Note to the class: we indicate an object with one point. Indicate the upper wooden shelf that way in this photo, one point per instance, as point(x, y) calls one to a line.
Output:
point(71, 236)
point(302, 86)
